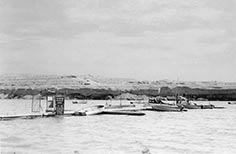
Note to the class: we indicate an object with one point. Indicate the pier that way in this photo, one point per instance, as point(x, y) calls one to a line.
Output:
point(55, 106)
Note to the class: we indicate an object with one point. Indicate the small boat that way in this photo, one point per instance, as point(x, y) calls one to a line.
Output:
point(219, 107)
point(191, 106)
point(188, 105)
point(184, 102)
point(232, 103)
point(210, 106)
point(167, 108)
point(75, 102)
point(159, 105)
point(94, 110)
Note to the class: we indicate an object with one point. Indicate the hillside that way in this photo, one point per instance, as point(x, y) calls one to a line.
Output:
point(86, 86)
point(89, 81)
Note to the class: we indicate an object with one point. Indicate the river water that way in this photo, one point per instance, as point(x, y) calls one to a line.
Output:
point(192, 132)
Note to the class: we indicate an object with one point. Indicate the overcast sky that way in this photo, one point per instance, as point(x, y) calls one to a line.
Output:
point(141, 39)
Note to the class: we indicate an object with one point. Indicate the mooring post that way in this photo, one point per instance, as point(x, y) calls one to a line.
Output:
point(60, 105)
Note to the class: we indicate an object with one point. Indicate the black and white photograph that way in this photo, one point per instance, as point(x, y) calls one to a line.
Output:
point(117, 77)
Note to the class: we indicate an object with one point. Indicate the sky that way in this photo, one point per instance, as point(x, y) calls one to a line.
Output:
point(192, 40)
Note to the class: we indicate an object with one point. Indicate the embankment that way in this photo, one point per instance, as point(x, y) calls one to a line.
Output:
point(96, 87)
point(88, 93)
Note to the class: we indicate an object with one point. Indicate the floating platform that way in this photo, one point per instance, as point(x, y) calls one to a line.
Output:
point(34, 115)
point(117, 110)
point(219, 107)
point(96, 110)
point(120, 106)
point(25, 116)
point(87, 113)
point(131, 113)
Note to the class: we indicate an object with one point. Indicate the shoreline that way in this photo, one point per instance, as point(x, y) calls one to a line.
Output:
point(95, 87)
point(140, 94)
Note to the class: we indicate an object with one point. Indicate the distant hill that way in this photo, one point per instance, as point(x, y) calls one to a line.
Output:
point(97, 87)
point(89, 81)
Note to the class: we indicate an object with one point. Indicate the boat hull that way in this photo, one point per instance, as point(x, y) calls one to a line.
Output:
point(167, 108)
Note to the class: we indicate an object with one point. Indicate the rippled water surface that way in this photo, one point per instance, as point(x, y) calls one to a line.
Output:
point(194, 132)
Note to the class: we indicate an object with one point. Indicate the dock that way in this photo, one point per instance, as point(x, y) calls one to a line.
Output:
point(25, 116)
point(130, 113)
point(135, 111)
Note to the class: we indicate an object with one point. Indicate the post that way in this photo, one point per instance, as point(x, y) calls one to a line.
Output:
point(32, 104)
point(60, 105)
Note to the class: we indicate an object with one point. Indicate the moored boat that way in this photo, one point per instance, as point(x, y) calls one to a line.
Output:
point(188, 105)
point(74, 102)
point(182, 101)
point(232, 103)
point(160, 105)
point(167, 108)
point(210, 106)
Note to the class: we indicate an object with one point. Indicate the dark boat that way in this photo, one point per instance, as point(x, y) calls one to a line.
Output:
point(75, 102)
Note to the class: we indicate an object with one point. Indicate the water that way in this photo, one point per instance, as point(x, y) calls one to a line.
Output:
point(194, 132)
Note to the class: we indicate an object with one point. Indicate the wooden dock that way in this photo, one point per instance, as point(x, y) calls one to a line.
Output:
point(32, 115)
point(108, 110)
point(24, 116)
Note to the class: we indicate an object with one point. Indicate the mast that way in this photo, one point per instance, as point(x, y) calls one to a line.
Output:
point(176, 92)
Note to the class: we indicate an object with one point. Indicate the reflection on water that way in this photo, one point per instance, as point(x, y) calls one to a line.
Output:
point(195, 131)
